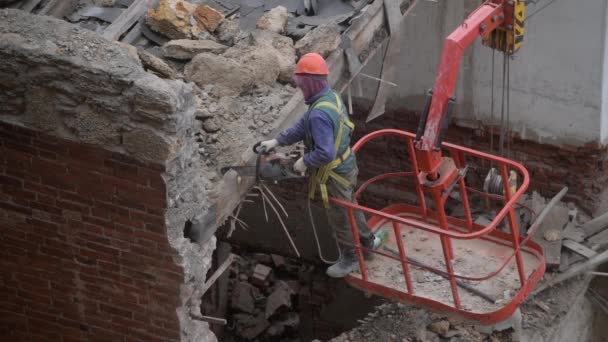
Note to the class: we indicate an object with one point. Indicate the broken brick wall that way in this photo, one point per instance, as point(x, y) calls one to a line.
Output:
point(85, 253)
point(124, 145)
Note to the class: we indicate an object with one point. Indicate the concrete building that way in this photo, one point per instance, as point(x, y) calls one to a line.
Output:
point(558, 80)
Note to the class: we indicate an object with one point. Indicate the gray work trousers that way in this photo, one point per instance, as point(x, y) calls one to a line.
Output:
point(338, 215)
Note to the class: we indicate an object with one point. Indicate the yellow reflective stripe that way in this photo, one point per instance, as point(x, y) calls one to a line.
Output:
point(339, 178)
point(339, 102)
point(327, 104)
point(324, 196)
point(349, 124)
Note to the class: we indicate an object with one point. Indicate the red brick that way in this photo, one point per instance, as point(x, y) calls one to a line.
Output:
point(110, 208)
point(30, 186)
point(148, 218)
point(132, 223)
point(34, 297)
point(13, 182)
point(71, 206)
point(63, 182)
point(153, 177)
point(102, 249)
point(20, 148)
point(48, 166)
point(16, 208)
point(128, 203)
point(46, 208)
point(99, 192)
point(46, 199)
point(96, 221)
point(94, 255)
point(115, 311)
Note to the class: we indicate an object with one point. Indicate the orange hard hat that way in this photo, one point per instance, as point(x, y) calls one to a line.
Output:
point(313, 64)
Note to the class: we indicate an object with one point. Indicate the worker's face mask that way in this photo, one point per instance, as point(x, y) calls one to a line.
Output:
point(310, 85)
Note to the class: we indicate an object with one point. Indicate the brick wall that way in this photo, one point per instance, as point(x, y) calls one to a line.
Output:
point(551, 167)
point(84, 253)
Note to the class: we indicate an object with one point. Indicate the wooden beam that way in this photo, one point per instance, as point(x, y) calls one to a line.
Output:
point(133, 35)
point(223, 267)
point(573, 272)
point(579, 249)
point(596, 225)
point(210, 320)
point(552, 217)
point(599, 241)
point(127, 19)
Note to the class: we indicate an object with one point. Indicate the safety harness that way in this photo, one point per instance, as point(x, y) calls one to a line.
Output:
point(320, 176)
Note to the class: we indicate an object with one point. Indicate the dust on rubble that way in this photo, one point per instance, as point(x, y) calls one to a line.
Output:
point(232, 123)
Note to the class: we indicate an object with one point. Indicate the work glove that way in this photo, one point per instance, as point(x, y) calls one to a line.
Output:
point(299, 166)
point(269, 144)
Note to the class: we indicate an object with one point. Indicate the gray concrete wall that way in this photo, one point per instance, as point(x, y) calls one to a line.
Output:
point(556, 78)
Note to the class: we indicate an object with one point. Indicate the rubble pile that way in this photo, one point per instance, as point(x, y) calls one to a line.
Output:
point(269, 295)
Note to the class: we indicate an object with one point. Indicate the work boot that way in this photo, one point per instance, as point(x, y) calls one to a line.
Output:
point(346, 264)
point(369, 243)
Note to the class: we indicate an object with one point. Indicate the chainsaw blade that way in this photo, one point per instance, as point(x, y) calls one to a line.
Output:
point(243, 171)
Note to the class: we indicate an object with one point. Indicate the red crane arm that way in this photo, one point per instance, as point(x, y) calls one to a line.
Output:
point(485, 19)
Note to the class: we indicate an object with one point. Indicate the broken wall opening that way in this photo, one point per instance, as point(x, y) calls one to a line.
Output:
point(270, 238)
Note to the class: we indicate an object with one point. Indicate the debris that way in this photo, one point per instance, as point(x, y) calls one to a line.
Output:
point(260, 275)
point(126, 19)
point(228, 31)
point(278, 260)
point(207, 17)
point(599, 241)
point(552, 217)
point(273, 20)
point(228, 74)
point(263, 258)
point(552, 235)
point(543, 306)
point(131, 51)
point(596, 225)
point(220, 270)
point(275, 330)
point(262, 63)
point(156, 64)
point(249, 327)
point(210, 320)
point(322, 40)
point(573, 233)
point(186, 49)
point(459, 282)
point(573, 271)
point(440, 327)
point(282, 47)
point(102, 13)
point(280, 297)
point(172, 18)
point(579, 249)
point(243, 297)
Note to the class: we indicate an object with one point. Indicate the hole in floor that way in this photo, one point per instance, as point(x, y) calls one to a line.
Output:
point(276, 298)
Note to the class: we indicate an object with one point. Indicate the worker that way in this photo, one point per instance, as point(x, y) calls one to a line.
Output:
point(326, 131)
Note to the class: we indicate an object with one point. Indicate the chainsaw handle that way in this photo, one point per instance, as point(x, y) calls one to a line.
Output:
point(258, 149)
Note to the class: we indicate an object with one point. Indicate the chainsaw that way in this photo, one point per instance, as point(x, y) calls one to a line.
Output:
point(270, 165)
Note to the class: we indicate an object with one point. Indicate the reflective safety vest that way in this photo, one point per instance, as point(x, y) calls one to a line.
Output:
point(331, 104)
